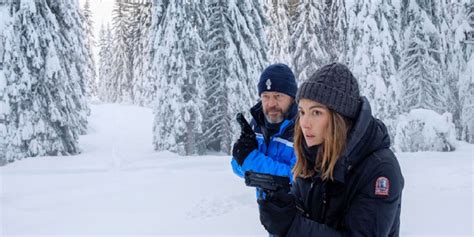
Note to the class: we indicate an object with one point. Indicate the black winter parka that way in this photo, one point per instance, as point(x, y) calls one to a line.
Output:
point(364, 199)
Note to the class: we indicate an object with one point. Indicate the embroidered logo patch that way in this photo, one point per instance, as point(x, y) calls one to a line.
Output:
point(269, 84)
point(382, 186)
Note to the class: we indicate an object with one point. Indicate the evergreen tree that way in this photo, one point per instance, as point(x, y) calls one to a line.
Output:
point(4, 110)
point(457, 56)
point(148, 88)
point(421, 71)
point(120, 89)
point(466, 81)
point(254, 44)
point(373, 52)
point(278, 31)
point(466, 86)
point(236, 56)
point(309, 51)
point(335, 29)
point(143, 90)
point(75, 56)
point(179, 107)
point(44, 69)
point(91, 85)
point(105, 63)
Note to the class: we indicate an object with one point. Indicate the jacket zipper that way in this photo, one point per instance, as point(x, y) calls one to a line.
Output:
point(323, 210)
point(310, 199)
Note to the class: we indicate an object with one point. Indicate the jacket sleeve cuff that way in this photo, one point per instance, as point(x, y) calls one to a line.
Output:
point(236, 168)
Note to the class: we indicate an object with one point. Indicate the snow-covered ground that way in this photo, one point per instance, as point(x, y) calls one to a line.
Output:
point(120, 186)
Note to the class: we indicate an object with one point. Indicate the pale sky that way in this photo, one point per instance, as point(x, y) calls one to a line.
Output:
point(101, 13)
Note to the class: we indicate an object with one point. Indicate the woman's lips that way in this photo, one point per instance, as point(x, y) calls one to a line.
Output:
point(309, 136)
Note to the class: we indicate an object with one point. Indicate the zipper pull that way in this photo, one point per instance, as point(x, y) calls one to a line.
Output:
point(323, 211)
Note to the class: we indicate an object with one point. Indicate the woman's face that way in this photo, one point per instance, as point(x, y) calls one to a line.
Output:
point(314, 121)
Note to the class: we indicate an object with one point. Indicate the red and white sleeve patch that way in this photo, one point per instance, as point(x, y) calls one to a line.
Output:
point(382, 186)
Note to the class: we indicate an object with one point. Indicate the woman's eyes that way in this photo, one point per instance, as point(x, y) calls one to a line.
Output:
point(313, 113)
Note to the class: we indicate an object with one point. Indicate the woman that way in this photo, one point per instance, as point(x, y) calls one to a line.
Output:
point(347, 180)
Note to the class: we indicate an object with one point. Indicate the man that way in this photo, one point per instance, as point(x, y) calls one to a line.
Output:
point(270, 149)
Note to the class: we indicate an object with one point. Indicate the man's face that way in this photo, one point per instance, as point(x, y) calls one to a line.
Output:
point(275, 105)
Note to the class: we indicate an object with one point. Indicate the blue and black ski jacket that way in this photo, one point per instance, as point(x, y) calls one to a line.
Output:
point(275, 154)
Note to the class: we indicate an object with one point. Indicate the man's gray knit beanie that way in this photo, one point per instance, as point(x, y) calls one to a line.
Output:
point(333, 85)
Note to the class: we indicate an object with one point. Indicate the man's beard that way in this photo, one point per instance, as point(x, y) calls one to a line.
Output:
point(273, 119)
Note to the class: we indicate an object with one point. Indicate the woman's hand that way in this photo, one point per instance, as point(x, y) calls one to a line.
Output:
point(277, 212)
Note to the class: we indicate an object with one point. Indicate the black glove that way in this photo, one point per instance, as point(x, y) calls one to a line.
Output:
point(246, 143)
point(277, 212)
point(242, 148)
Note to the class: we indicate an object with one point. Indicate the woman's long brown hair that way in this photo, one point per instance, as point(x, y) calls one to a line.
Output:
point(329, 152)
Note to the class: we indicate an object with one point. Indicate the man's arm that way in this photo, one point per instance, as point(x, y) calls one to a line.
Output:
point(258, 162)
point(245, 159)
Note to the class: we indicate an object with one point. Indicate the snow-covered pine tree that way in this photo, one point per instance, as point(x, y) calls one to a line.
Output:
point(180, 103)
point(236, 56)
point(74, 52)
point(217, 127)
point(373, 48)
point(466, 81)
point(4, 28)
point(120, 86)
point(251, 41)
point(3, 111)
point(44, 65)
point(466, 92)
point(278, 31)
point(308, 44)
point(91, 84)
point(457, 55)
point(421, 69)
point(105, 62)
point(143, 90)
point(148, 88)
point(3, 104)
point(335, 29)
point(194, 85)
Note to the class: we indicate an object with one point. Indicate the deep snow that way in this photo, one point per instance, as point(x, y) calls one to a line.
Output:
point(120, 186)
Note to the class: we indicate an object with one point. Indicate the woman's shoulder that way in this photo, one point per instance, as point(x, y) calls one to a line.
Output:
point(380, 175)
point(378, 162)
point(383, 156)
point(384, 162)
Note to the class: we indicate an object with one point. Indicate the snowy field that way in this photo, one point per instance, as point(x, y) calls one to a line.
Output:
point(120, 186)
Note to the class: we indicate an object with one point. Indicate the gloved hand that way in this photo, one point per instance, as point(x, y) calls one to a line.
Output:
point(277, 212)
point(242, 148)
point(246, 143)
